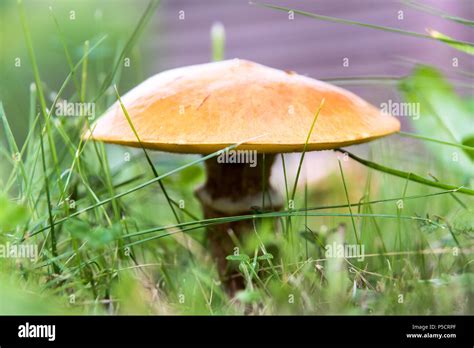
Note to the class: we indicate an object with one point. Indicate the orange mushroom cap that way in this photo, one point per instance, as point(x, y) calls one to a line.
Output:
point(207, 107)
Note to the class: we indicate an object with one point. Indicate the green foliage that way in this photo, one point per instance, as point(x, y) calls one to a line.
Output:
point(11, 214)
point(444, 113)
point(463, 47)
point(17, 299)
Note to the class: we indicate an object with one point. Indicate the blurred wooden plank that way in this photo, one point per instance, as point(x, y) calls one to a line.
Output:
point(306, 45)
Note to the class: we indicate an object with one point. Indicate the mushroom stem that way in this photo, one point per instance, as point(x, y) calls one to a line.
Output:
point(235, 189)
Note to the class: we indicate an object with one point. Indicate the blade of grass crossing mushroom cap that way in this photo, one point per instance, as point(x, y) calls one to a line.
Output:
point(305, 147)
point(98, 148)
point(142, 185)
point(152, 166)
point(102, 158)
point(295, 185)
point(412, 177)
point(361, 24)
point(171, 202)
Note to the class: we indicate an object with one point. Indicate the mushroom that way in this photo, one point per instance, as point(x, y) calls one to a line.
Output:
point(205, 108)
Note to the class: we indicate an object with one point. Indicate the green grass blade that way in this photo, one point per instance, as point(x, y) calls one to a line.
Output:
point(348, 202)
point(469, 49)
point(364, 80)
point(145, 18)
point(139, 187)
point(29, 45)
point(84, 72)
point(150, 163)
point(66, 51)
point(299, 212)
point(437, 12)
point(224, 220)
point(360, 24)
point(39, 88)
point(218, 41)
point(422, 137)
point(304, 149)
point(21, 177)
point(48, 201)
point(410, 176)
